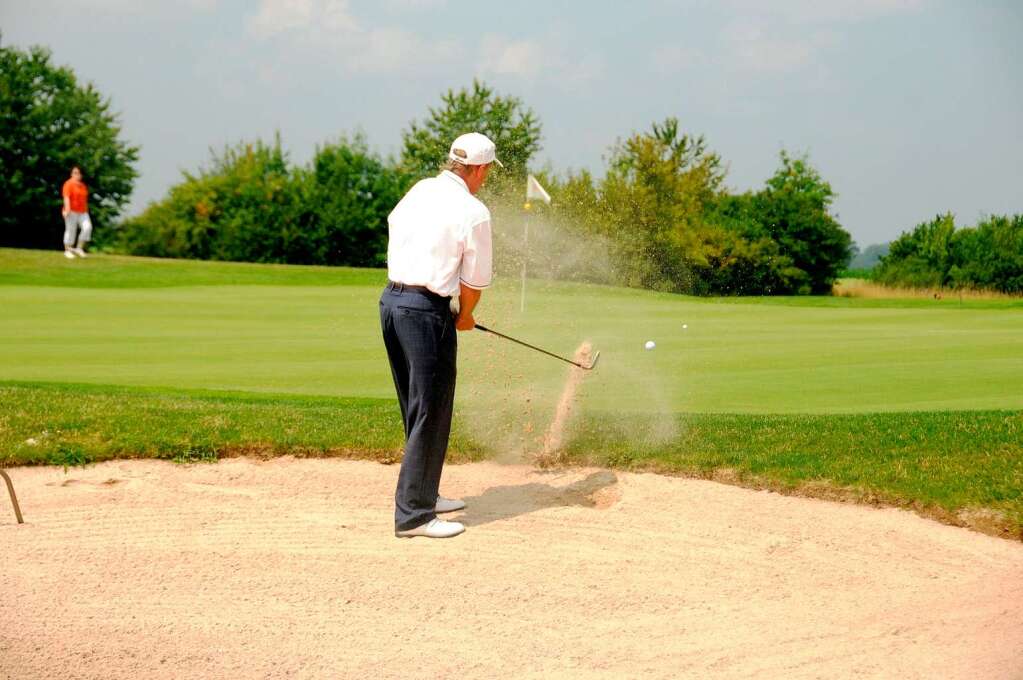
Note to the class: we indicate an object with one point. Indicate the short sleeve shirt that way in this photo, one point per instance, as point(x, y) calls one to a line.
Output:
point(439, 236)
point(78, 195)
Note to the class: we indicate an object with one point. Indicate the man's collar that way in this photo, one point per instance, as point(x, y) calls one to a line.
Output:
point(451, 175)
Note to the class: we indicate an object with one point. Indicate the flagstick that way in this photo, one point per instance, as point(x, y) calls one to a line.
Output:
point(525, 255)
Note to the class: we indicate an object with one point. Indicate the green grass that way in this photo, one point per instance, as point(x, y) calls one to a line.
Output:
point(43, 268)
point(50, 423)
point(906, 401)
point(314, 331)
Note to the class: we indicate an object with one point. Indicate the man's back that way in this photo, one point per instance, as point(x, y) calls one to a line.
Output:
point(437, 234)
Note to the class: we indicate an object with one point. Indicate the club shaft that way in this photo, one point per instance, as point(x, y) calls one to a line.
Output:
point(526, 344)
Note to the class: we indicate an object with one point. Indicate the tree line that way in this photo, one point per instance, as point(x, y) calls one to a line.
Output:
point(659, 217)
point(937, 254)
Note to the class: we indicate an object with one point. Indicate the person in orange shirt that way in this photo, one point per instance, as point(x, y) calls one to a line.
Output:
point(76, 215)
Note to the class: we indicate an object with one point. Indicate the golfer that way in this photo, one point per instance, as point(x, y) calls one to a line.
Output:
point(77, 225)
point(438, 261)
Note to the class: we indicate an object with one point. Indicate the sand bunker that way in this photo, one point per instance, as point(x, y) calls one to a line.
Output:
point(289, 569)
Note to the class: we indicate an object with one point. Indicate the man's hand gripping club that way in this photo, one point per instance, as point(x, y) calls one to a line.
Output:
point(467, 300)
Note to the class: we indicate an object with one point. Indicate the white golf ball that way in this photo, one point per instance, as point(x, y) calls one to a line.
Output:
point(650, 344)
point(685, 326)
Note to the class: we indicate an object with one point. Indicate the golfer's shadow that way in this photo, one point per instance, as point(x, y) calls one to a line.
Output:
point(598, 490)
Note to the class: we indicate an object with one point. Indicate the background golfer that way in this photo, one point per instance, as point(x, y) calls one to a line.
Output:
point(439, 249)
point(77, 225)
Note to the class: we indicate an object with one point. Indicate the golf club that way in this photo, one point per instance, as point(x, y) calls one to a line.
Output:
point(593, 362)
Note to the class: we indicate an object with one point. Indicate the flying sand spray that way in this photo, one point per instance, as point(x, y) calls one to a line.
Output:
point(585, 359)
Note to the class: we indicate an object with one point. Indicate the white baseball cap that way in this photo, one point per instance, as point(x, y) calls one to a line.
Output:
point(474, 149)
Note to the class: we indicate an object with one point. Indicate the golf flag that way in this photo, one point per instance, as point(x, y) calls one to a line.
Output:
point(535, 191)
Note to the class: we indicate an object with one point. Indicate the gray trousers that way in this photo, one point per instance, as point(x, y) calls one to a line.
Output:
point(419, 334)
point(77, 226)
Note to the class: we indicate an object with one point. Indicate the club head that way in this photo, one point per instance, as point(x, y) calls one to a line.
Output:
point(593, 363)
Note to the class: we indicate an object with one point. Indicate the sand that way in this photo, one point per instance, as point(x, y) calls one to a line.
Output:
point(289, 569)
point(554, 439)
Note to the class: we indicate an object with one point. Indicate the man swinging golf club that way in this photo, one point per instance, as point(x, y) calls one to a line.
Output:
point(439, 260)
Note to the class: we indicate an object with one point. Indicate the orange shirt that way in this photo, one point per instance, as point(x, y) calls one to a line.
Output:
point(78, 194)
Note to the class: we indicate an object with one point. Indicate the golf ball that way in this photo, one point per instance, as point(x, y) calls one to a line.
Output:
point(650, 344)
point(685, 326)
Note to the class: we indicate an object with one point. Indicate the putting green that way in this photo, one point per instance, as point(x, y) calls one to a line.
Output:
point(314, 331)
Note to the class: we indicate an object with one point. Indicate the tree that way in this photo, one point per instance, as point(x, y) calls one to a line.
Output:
point(252, 205)
point(657, 191)
point(505, 120)
point(246, 206)
point(936, 254)
point(48, 123)
point(670, 225)
point(920, 258)
point(352, 193)
point(794, 210)
point(990, 255)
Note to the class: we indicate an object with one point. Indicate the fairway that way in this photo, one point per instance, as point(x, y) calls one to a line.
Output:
point(315, 331)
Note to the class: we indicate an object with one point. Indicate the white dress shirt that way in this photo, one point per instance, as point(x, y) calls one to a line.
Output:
point(438, 236)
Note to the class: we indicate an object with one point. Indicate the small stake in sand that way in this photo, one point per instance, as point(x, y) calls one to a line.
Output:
point(14, 498)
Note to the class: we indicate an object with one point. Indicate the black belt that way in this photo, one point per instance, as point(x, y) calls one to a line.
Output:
point(394, 285)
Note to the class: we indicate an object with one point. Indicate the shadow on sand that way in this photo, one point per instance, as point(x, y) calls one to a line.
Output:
point(597, 490)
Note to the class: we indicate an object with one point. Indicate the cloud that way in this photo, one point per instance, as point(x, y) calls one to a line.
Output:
point(402, 6)
point(316, 18)
point(500, 56)
point(532, 60)
point(396, 49)
point(675, 58)
point(152, 9)
point(824, 11)
point(752, 48)
point(328, 30)
point(789, 35)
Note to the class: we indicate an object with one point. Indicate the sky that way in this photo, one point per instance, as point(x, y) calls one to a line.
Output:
point(909, 108)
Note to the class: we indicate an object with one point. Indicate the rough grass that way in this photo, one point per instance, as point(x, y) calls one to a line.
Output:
point(865, 288)
point(962, 467)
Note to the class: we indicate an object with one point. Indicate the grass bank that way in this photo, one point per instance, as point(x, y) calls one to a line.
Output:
point(962, 467)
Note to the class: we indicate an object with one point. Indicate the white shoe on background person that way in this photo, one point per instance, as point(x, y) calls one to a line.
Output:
point(79, 252)
point(69, 255)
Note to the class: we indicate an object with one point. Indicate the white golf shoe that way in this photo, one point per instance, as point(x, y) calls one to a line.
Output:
point(448, 504)
point(79, 252)
point(69, 255)
point(435, 528)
